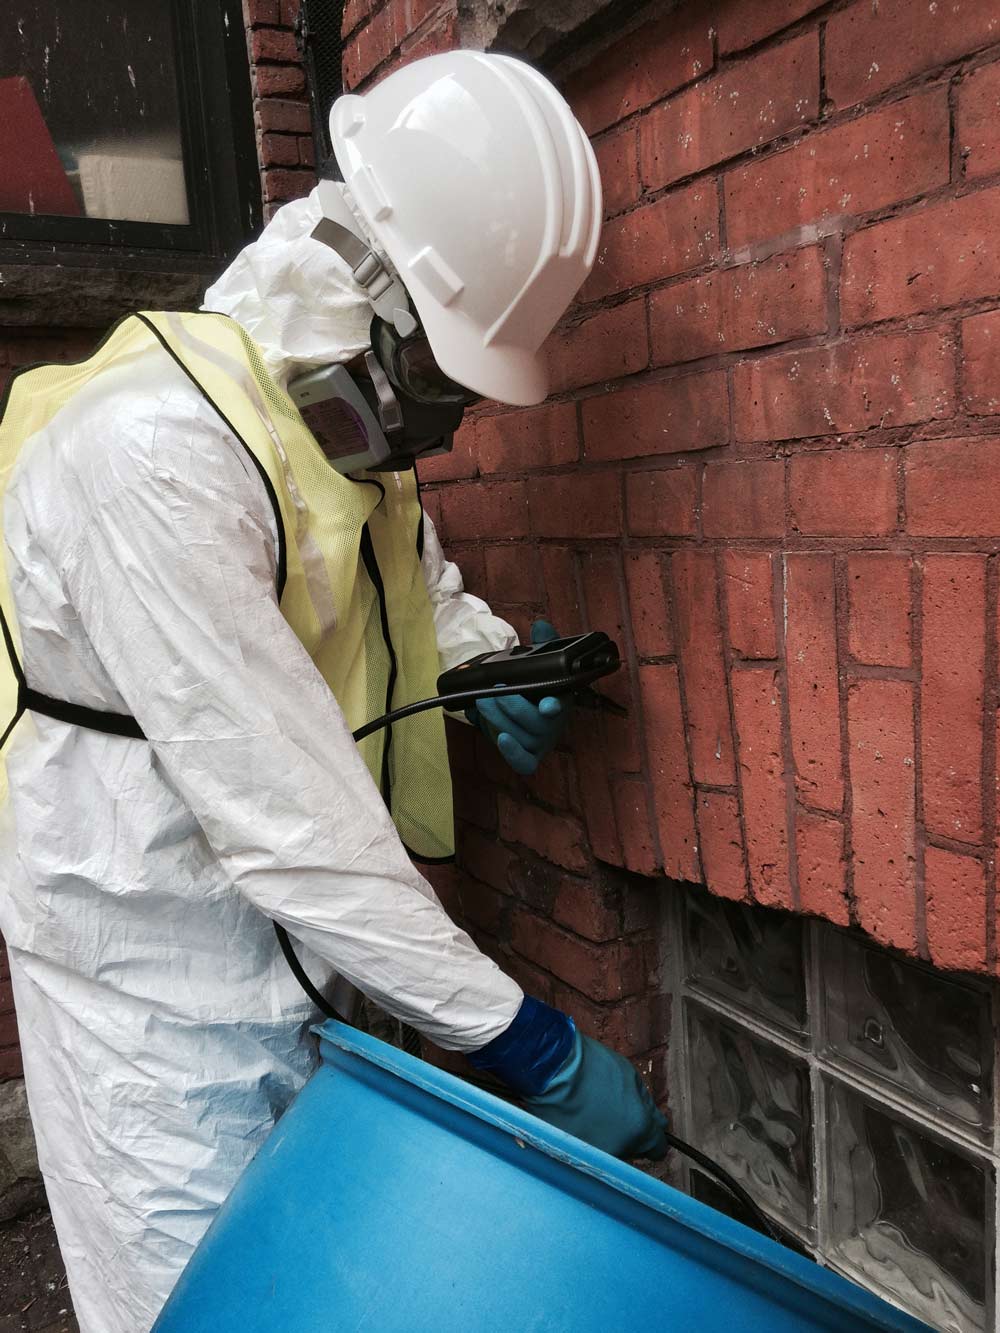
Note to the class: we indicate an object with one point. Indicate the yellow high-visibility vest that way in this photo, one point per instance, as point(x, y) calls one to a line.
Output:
point(349, 582)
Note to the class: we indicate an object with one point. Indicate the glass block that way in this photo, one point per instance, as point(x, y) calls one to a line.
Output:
point(909, 1213)
point(749, 955)
point(928, 1034)
point(750, 1112)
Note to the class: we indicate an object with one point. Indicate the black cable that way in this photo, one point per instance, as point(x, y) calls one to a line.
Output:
point(452, 702)
point(727, 1182)
point(563, 684)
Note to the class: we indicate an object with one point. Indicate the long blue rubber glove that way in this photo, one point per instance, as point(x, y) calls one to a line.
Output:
point(575, 1083)
point(524, 732)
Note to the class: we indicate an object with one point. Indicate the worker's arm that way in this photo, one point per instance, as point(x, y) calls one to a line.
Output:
point(173, 578)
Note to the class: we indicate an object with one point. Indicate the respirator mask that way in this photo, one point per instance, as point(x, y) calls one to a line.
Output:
point(394, 406)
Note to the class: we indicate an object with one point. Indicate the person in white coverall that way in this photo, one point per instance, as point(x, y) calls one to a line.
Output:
point(163, 1033)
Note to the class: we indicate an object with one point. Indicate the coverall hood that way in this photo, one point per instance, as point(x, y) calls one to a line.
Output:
point(296, 297)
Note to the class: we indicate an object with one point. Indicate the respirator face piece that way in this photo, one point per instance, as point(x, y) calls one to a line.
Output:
point(384, 414)
point(396, 406)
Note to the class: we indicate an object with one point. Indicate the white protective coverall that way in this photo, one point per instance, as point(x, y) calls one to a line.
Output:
point(163, 1033)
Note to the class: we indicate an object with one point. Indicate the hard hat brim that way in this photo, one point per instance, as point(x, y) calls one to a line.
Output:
point(504, 373)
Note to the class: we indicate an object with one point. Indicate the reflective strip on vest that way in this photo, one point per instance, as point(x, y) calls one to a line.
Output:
point(350, 580)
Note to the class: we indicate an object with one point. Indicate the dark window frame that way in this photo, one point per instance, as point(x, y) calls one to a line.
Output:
point(221, 169)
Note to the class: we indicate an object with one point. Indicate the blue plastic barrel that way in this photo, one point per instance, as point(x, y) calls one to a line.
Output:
point(394, 1198)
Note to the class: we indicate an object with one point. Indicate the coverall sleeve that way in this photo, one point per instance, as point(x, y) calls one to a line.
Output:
point(464, 624)
point(173, 578)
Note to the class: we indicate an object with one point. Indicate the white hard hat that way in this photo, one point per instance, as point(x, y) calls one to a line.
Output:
point(478, 183)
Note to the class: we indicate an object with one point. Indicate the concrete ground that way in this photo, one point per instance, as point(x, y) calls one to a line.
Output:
point(33, 1293)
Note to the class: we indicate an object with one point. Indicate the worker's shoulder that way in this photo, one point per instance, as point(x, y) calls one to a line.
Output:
point(132, 422)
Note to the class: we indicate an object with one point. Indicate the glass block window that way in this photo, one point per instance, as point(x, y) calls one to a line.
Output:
point(850, 1091)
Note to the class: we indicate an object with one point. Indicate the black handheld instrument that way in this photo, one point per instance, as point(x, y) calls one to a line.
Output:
point(535, 668)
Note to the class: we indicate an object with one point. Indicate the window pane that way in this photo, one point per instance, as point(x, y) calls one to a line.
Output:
point(926, 1033)
point(89, 116)
point(909, 1213)
point(752, 957)
point(750, 1113)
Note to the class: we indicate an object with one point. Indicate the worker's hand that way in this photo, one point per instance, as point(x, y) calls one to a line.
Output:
point(575, 1083)
point(524, 732)
point(598, 1096)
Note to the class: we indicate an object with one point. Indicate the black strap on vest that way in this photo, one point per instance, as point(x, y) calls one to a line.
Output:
point(78, 715)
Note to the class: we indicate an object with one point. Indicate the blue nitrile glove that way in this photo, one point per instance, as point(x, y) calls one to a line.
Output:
point(575, 1083)
point(524, 732)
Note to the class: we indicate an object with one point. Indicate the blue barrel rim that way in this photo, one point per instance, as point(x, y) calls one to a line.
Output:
point(680, 1209)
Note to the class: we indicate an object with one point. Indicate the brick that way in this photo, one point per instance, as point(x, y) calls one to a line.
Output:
point(535, 437)
point(899, 152)
point(283, 117)
point(856, 385)
point(720, 841)
point(562, 591)
point(748, 104)
point(555, 837)
point(748, 586)
point(307, 154)
point(431, 501)
point(671, 416)
point(951, 694)
point(669, 775)
point(754, 305)
point(273, 44)
point(11, 1065)
point(603, 590)
point(955, 888)
point(703, 670)
point(443, 35)
point(476, 805)
point(674, 234)
point(473, 511)
point(289, 12)
point(934, 257)
point(843, 492)
point(370, 47)
point(279, 150)
point(605, 345)
point(881, 740)
point(644, 66)
point(514, 573)
point(579, 906)
point(743, 23)
point(650, 614)
point(757, 712)
point(601, 971)
point(951, 487)
point(978, 116)
point(819, 849)
point(262, 12)
point(638, 838)
point(744, 499)
point(459, 464)
point(880, 615)
point(281, 184)
point(662, 503)
point(618, 163)
point(473, 570)
point(482, 857)
point(355, 13)
point(595, 785)
point(872, 47)
point(571, 504)
point(981, 363)
point(485, 909)
point(813, 689)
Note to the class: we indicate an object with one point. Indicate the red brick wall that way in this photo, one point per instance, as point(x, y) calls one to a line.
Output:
point(769, 465)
